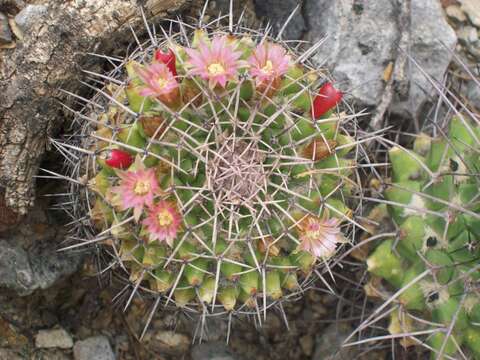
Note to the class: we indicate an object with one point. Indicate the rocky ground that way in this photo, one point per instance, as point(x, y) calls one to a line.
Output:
point(53, 306)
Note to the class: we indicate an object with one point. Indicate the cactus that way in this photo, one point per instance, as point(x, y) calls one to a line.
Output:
point(433, 264)
point(215, 170)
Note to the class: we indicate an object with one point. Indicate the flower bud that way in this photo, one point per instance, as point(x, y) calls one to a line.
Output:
point(168, 59)
point(327, 98)
point(118, 159)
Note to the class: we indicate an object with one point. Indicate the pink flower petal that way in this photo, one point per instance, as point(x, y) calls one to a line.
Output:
point(217, 62)
point(166, 231)
point(157, 78)
point(137, 189)
point(268, 62)
point(319, 236)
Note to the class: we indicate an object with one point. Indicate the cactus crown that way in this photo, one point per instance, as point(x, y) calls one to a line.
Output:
point(433, 265)
point(217, 171)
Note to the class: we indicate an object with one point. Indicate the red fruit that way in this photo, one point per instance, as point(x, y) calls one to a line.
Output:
point(118, 159)
point(327, 98)
point(168, 59)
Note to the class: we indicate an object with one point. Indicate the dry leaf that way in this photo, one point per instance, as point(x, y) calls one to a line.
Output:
point(15, 29)
point(387, 73)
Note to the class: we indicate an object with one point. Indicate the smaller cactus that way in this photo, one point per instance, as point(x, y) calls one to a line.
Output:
point(433, 265)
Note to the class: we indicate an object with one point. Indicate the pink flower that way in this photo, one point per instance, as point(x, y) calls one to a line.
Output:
point(319, 236)
point(268, 62)
point(163, 222)
point(217, 62)
point(137, 188)
point(158, 80)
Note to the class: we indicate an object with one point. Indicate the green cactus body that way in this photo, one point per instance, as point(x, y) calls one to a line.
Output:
point(435, 204)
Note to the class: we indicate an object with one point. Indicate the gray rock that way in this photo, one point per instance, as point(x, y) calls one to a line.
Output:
point(53, 338)
point(15, 270)
point(278, 11)
point(5, 32)
point(29, 16)
point(362, 41)
point(93, 348)
point(473, 93)
point(432, 38)
point(455, 13)
point(49, 266)
point(472, 9)
point(328, 344)
point(24, 273)
point(212, 351)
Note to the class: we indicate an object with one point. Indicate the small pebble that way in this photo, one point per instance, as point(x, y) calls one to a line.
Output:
point(53, 338)
point(328, 344)
point(467, 35)
point(455, 13)
point(473, 93)
point(172, 341)
point(29, 16)
point(306, 343)
point(5, 32)
point(93, 348)
point(8, 354)
point(217, 350)
point(472, 9)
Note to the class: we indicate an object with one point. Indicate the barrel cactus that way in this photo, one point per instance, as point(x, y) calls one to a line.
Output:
point(215, 170)
point(432, 265)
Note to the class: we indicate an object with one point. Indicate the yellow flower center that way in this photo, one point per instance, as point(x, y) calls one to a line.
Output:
point(164, 218)
point(268, 67)
point(141, 187)
point(312, 230)
point(162, 82)
point(216, 69)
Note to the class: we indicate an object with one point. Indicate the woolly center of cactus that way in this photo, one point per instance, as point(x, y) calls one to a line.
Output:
point(236, 174)
point(216, 69)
